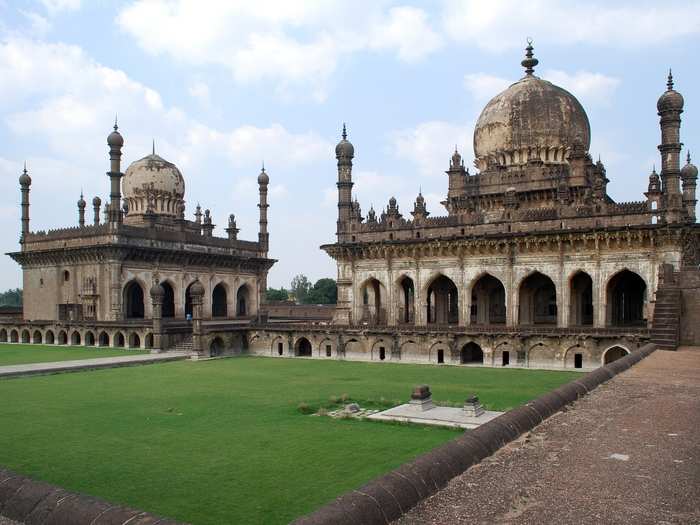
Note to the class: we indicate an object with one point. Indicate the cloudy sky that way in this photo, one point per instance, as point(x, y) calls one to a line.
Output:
point(222, 86)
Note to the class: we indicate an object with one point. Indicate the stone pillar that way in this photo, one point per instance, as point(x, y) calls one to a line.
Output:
point(81, 211)
point(115, 143)
point(25, 182)
point(96, 203)
point(510, 297)
point(157, 294)
point(115, 289)
point(197, 295)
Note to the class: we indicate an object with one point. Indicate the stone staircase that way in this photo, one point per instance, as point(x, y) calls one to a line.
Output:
point(183, 346)
point(665, 330)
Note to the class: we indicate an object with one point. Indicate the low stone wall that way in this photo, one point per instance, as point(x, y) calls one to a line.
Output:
point(387, 498)
point(36, 503)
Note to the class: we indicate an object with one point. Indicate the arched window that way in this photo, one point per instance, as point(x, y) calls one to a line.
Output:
point(443, 302)
point(133, 301)
point(218, 301)
point(62, 338)
point(538, 300)
point(89, 339)
point(488, 301)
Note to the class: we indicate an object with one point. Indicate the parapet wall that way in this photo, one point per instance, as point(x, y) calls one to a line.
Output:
point(387, 498)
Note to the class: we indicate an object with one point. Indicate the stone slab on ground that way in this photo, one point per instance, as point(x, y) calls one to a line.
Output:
point(78, 365)
point(437, 416)
point(627, 453)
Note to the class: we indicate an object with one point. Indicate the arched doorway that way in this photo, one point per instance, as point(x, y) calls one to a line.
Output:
point(134, 340)
point(3, 336)
point(89, 339)
point(168, 307)
point(218, 301)
point(373, 311)
point(581, 300)
point(407, 306)
point(14, 336)
point(62, 338)
point(133, 301)
point(538, 300)
point(626, 295)
point(49, 337)
point(188, 302)
point(443, 302)
point(488, 301)
point(471, 353)
point(36, 338)
point(25, 336)
point(243, 301)
point(103, 339)
point(75, 338)
point(216, 348)
point(613, 354)
point(119, 340)
point(303, 347)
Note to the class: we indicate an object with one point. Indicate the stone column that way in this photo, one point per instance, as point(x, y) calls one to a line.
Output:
point(157, 293)
point(197, 295)
point(25, 182)
point(115, 289)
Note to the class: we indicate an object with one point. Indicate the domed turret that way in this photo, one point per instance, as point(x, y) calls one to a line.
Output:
point(344, 149)
point(689, 171)
point(115, 139)
point(263, 178)
point(153, 184)
point(670, 100)
point(81, 201)
point(24, 178)
point(157, 291)
point(531, 120)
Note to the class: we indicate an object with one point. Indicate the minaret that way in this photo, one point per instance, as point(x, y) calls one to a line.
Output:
point(670, 107)
point(689, 176)
point(24, 182)
point(232, 230)
point(344, 152)
point(263, 236)
point(81, 211)
point(96, 203)
point(115, 142)
point(456, 176)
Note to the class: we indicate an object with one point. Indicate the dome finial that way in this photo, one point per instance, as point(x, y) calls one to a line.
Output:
point(115, 122)
point(263, 166)
point(688, 157)
point(529, 62)
point(345, 132)
point(669, 83)
point(25, 167)
point(153, 151)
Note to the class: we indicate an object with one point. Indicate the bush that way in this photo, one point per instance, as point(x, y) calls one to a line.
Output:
point(304, 408)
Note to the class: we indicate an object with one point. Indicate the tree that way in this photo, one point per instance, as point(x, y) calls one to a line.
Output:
point(11, 297)
point(300, 287)
point(324, 291)
point(277, 295)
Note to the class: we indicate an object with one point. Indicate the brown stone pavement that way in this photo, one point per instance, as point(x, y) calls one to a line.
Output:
point(627, 453)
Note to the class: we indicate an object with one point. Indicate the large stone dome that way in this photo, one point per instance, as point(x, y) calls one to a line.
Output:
point(533, 118)
point(152, 183)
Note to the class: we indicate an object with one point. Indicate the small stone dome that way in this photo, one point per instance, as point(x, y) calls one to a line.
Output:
point(670, 100)
point(533, 118)
point(689, 171)
point(115, 139)
point(263, 178)
point(81, 201)
point(96, 201)
point(344, 148)
point(152, 183)
point(157, 291)
point(25, 179)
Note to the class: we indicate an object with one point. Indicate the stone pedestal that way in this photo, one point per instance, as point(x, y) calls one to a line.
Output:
point(421, 398)
point(472, 407)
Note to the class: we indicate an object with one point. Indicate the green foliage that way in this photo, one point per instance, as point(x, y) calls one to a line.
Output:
point(273, 294)
point(301, 286)
point(11, 297)
point(324, 291)
point(222, 441)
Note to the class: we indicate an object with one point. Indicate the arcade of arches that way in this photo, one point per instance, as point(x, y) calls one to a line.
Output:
point(535, 300)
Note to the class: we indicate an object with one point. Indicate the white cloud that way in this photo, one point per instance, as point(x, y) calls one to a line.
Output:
point(38, 25)
point(430, 144)
point(54, 6)
point(589, 86)
point(407, 30)
point(200, 91)
point(295, 43)
point(503, 24)
point(483, 86)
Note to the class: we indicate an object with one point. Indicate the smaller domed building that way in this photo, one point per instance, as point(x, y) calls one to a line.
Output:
point(101, 282)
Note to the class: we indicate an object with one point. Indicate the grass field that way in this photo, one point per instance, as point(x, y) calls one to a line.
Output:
point(15, 354)
point(224, 441)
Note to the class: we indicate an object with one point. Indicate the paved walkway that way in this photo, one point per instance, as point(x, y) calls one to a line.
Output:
point(89, 364)
point(627, 453)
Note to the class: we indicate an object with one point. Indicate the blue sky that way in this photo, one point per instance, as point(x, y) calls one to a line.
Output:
point(222, 86)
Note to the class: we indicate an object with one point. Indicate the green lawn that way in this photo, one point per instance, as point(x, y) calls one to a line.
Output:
point(223, 441)
point(17, 354)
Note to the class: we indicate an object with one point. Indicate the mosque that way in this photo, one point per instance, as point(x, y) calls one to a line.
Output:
point(533, 265)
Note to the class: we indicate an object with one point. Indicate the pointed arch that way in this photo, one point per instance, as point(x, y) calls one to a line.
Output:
point(471, 353)
point(148, 341)
point(14, 336)
point(103, 339)
point(119, 340)
point(89, 338)
point(168, 306)
point(407, 293)
point(25, 336)
point(302, 348)
point(219, 300)
point(133, 300)
point(243, 301)
point(488, 305)
point(49, 337)
point(626, 297)
point(36, 337)
point(442, 301)
point(373, 294)
point(134, 340)
point(62, 337)
point(537, 300)
point(75, 338)
point(614, 353)
point(3, 335)
point(580, 299)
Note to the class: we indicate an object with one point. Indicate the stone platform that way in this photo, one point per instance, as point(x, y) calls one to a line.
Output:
point(438, 416)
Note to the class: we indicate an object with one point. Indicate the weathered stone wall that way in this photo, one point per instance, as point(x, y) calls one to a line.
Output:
point(690, 306)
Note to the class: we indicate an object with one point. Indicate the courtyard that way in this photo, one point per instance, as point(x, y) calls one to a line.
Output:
point(232, 440)
point(21, 354)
